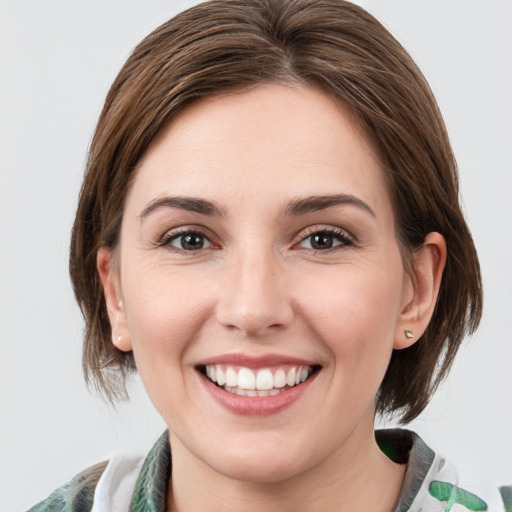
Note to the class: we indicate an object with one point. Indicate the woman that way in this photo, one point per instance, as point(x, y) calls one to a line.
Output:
point(269, 231)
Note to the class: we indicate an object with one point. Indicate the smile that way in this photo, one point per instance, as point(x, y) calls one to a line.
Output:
point(244, 381)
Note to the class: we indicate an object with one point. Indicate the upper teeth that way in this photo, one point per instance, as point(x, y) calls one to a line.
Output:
point(264, 379)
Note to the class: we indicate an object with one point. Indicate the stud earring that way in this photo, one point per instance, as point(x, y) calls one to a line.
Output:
point(408, 334)
point(116, 341)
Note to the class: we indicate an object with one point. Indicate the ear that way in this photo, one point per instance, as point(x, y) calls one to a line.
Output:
point(115, 308)
point(421, 290)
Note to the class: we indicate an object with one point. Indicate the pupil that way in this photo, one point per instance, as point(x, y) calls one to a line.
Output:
point(192, 241)
point(322, 241)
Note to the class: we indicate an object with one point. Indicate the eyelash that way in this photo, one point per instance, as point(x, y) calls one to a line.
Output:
point(167, 239)
point(338, 234)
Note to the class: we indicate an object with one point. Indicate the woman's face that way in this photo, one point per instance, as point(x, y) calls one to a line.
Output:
point(258, 245)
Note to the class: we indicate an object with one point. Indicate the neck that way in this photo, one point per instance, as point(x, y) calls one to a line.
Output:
point(356, 478)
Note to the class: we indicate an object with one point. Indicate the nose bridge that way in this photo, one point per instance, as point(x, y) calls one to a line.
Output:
point(254, 297)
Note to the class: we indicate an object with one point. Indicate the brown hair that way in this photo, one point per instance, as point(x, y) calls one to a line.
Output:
point(223, 45)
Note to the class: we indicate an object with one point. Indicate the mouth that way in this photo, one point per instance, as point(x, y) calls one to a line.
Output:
point(260, 382)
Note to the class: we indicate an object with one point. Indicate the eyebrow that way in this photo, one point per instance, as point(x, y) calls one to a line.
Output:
point(296, 207)
point(305, 205)
point(191, 204)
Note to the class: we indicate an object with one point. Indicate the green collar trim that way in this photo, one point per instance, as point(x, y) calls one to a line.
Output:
point(150, 494)
point(405, 447)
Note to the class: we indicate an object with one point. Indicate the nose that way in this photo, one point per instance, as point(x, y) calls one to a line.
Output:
point(254, 298)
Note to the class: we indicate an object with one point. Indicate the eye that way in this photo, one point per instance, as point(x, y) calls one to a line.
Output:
point(187, 241)
point(325, 239)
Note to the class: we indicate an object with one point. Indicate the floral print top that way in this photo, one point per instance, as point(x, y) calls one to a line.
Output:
point(140, 484)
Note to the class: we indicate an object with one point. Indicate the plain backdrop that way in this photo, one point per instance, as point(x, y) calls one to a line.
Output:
point(57, 60)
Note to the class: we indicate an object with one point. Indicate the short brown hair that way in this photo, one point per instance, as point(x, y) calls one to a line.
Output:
point(225, 45)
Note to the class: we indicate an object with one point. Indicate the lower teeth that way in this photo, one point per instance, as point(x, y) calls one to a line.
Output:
point(254, 392)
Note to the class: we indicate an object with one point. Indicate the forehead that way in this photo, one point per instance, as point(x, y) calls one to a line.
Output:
point(291, 140)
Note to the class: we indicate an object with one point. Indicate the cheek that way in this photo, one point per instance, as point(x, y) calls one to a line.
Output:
point(165, 311)
point(354, 313)
point(352, 300)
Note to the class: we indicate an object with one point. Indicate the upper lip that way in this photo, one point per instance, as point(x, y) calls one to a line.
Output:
point(256, 361)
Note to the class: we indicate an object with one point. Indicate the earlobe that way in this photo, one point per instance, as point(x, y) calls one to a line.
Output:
point(115, 309)
point(429, 261)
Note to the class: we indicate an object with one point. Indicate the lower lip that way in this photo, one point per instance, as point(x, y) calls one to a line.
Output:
point(256, 405)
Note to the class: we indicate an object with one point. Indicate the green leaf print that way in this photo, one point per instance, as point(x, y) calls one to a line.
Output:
point(506, 495)
point(444, 491)
point(76, 496)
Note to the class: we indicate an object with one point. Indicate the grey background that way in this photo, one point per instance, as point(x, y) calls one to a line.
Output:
point(57, 60)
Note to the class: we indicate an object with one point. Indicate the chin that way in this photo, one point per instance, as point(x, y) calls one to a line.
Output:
point(263, 462)
point(267, 471)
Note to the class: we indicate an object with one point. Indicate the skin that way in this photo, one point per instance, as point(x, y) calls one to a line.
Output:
point(258, 287)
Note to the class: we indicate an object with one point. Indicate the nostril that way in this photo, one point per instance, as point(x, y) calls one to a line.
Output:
point(254, 303)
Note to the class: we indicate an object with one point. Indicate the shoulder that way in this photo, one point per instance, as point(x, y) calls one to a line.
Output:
point(456, 489)
point(125, 482)
point(75, 496)
point(434, 484)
